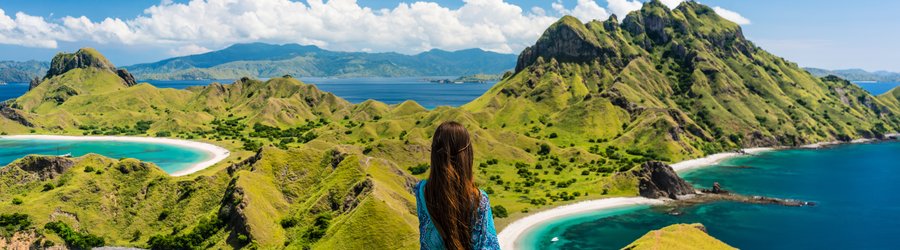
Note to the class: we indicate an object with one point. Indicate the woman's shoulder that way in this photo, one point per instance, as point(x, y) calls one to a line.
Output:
point(418, 187)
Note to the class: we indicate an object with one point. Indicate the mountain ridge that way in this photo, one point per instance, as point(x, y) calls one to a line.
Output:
point(857, 74)
point(263, 60)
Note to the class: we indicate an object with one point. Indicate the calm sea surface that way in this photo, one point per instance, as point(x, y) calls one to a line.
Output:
point(855, 187)
point(168, 157)
point(390, 90)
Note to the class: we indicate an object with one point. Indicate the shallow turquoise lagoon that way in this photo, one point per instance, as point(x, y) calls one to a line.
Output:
point(170, 158)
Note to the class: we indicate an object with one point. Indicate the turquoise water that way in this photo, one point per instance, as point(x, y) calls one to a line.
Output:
point(855, 188)
point(170, 158)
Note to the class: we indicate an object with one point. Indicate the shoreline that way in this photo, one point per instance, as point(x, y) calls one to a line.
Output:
point(513, 232)
point(216, 153)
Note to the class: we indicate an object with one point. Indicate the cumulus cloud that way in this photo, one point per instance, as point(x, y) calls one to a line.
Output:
point(195, 26)
point(672, 3)
point(29, 31)
point(585, 10)
point(731, 16)
point(189, 49)
point(622, 7)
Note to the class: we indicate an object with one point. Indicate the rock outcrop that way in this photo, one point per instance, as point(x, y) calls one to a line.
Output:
point(658, 180)
point(14, 115)
point(81, 59)
point(42, 167)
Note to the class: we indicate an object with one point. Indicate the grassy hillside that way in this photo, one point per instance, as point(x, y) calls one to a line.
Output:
point(679, 236)
point(586, 104)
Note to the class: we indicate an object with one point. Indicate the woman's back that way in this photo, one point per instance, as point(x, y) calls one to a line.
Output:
point(484, 236)
point(453, 212)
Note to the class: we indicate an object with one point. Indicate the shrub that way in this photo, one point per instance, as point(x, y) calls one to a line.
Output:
point(17, 201)
point(11, 223)
point(419, 169)
point(545, 149)
point(79, 240)
point(163, 134)
point(499, 211)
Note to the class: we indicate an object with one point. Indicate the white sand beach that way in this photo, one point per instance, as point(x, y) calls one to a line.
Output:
point(715, 159)
point(514, 231)
point(216, 153)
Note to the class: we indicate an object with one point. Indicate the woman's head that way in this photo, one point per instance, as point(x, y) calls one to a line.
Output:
point(450, 193)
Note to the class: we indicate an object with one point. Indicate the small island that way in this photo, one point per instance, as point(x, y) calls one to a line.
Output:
point(476, 78)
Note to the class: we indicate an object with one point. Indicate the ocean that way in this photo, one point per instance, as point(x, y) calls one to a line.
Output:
point(170, 158)
point(853, 185)
point(390, 90)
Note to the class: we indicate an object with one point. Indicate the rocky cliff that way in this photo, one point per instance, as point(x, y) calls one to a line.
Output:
point(658, 180)
point(82, 59)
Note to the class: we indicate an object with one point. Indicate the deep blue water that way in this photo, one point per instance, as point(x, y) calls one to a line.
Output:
point(855, 187)
point(390, 90)
point(168, 157)
point(877, 88)
point(12, 90)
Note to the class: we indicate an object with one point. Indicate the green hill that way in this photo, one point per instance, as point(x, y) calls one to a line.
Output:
point(586, 104)
point(269, 60)
point(679, 236)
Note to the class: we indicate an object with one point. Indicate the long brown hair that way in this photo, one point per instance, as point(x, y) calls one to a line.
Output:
point(450, 193)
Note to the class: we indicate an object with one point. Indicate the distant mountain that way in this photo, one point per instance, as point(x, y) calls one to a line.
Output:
point(13, 71)
point(857, 74)
point(268, 60)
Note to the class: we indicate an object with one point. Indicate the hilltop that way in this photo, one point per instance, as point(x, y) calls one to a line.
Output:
point(268, 60)
point(675, 83)
point(585, 105)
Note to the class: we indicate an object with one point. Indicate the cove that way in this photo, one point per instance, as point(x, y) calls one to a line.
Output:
point(853, 185)
point(169, 156)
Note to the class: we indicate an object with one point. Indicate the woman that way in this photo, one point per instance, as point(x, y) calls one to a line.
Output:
point(453, 213)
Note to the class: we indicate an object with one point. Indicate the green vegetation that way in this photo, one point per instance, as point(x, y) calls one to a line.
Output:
point(194, 239)
point(311, 170)
point(678, 236)
point(75, 239)
point(15, 222)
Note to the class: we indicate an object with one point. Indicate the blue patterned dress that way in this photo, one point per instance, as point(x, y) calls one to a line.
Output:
point(484, 236)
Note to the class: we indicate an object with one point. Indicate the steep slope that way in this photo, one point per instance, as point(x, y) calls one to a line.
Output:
point(679, 83)
point(268, 60)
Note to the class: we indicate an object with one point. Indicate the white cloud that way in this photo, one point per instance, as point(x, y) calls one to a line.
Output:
point(195, 26)
point(336, 24)
point(622, 7)
point(29, 31)
point(585, 10)
point(731, 16)
point(672, 3)
point(190, 49)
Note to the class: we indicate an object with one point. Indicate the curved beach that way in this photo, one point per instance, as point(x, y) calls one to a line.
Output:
point(216, 153)
point(514, 231)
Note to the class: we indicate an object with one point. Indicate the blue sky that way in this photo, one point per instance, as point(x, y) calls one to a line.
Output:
point(827, 34)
